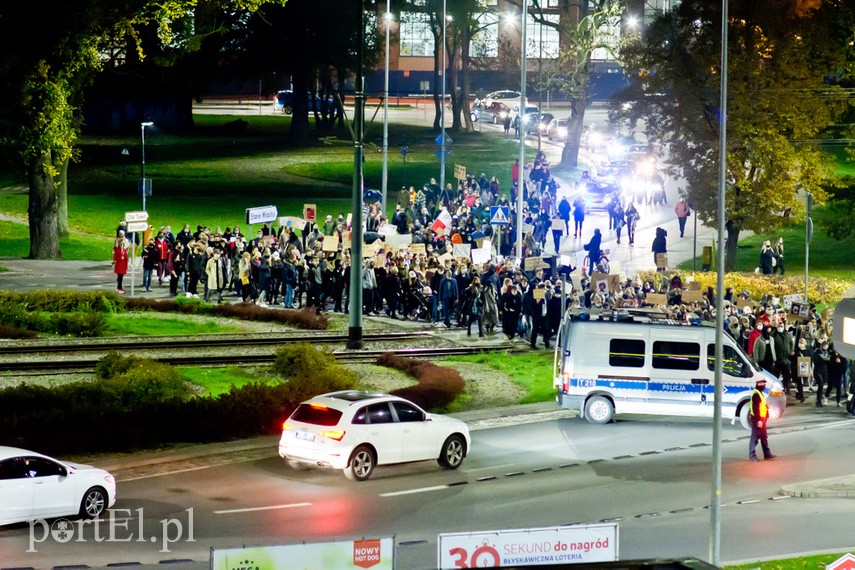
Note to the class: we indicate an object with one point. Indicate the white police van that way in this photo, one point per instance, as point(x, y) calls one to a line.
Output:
point(633, 362)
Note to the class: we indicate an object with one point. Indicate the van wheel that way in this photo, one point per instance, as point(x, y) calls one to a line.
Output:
point(361, 464)
point(599, 410)
point(743, 415)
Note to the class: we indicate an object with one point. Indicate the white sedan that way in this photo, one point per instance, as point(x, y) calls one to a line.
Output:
point(34, 486)
point(355, 431)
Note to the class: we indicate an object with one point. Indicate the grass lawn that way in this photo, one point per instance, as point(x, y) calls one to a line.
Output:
point(530, 370)
point(216, 381)
point(15, 242)
point(801, 563)
point(210, 176)
point(828, 257)
point(134, 324)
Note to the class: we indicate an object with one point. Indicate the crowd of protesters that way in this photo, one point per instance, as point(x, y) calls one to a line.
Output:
point(310, 267)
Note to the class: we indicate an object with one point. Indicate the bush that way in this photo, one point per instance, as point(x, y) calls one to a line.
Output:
point(301, 359)
point(62, 301)
point(330, 379)
point(304, 319)
point(77, 324)
point(438, 386)
point(14, 332)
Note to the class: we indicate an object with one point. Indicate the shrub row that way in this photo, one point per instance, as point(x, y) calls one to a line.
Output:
point(137, 403)
point(305, 319)
point(15, 332)
point(822, 290)
point(87, 323)
point(59, 301)
point(438, 386)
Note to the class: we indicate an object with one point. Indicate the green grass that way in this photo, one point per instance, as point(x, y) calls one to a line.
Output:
point(216, 381)
point(131, 324)
point(845, 163)
point(828, 257)
point(15, 242)
point(531, 370)
point(801, 563)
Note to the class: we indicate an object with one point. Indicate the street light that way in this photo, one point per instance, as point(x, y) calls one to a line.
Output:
point(385, 180)
point(442, 109)
point(520, 117)
point(143, 186)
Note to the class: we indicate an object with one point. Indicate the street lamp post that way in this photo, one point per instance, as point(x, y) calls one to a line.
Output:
point(385, 180)
point(143, 185)
point(442, 109)
point(520, 117)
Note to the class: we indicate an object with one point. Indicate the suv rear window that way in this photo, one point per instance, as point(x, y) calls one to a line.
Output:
point(317, 415)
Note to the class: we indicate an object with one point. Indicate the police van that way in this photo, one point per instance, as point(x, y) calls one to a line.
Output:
point(638, 362)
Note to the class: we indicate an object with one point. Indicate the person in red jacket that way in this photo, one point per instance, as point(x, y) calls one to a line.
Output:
point(755, 334)
point(162, 245)
point(120, 260)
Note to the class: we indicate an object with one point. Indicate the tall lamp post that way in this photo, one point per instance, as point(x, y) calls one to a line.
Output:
point(143, 185)
point(442, 109)
point(385, 180)
point(520, 117)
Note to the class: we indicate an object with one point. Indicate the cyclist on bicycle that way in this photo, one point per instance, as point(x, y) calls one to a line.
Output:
point(593, 249)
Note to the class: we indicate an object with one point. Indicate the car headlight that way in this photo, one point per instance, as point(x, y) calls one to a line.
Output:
point(595, 138)
point(562, 133)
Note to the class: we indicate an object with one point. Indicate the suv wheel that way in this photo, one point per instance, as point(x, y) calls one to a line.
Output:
point(361, 464)
point(452, 453)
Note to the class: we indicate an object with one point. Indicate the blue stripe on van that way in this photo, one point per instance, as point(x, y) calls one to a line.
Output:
point(653, 387)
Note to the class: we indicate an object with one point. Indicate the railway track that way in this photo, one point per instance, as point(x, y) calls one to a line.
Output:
point(215, 340)
point(66, 366)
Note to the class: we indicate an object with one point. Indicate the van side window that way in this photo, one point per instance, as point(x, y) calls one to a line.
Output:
point(732, 364)
point(672, 355)
point(626, 352)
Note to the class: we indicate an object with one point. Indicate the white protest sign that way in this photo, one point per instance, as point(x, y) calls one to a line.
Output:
point(462, 249)
point(387, 230)
point(399, 241)
point(480, 255)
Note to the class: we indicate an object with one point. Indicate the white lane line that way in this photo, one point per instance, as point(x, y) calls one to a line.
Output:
point(255, 509)
point(413, 491)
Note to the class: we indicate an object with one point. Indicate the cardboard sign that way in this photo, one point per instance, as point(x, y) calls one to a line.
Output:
point(800, 311)
point(826, 314)
point(445, 257)
point(558, 225)
point(330, 243)
point(480, 255)
point(459, 172)
point(370, 249)
point(462, 250)
point(417, 248)
point(740, 304)
point(310, 212)
point(528, 228)
point(399, 241)
point(692, 295)
point(661, 260)
point(657, 299)
point(601, 287)
point(803, 366)
point(790, 299)
point(532, 263)
point(387, 230)
point(614, 282)
point(694, 285)
point(576, 280)
point(539, 294)
point(293, 222)
point(596, 277)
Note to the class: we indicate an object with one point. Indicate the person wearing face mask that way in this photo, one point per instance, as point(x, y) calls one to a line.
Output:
point(758, 415)
point(801, 351)
point(821, 362)
point(752, 339)
point(767, 361)
point(215, 270)
point(783, 345)
point(836, 370)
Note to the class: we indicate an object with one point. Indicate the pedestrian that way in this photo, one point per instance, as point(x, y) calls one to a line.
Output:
point(578, 215)
point(214, 270)
point(632, 217)
point(659, 248)
point(758, 415)
point(619, 219)
point(800, 374)
point(175, 267)
point(475, 306)
point(539, 322)
point(821, 362)
point(149, 261)
point(783, 345)
point(836, 370)
point(681, 208)
point(506, 124)
point(509, 308)
point(120, 260)
point(767, 259)
point(778, 250)
point(448, 293)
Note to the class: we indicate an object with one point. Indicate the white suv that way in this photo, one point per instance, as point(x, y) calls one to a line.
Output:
point(356, 431)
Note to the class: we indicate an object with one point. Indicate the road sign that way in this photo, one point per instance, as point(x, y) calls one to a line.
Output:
point(136, 216)
point(137, 226)
point(499, 215)
point(261, 215)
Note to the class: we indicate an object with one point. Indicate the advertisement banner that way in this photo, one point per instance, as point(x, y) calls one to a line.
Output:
point(377, 553)
point(529, 547)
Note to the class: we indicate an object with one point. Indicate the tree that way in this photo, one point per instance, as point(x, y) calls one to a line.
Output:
point(51, 53)
point(778, 104)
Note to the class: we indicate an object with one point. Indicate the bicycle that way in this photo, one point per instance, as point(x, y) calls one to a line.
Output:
point(603, 265)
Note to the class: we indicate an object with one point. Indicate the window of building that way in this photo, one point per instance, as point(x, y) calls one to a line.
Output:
point(542, 39)
point(626, 352)
point(416, 34)
point(485, 41)
point(673, 355)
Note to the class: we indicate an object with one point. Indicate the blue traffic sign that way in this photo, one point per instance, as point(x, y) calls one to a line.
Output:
point(499, 215)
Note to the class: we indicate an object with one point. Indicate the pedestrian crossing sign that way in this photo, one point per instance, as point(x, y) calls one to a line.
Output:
point(499, 215)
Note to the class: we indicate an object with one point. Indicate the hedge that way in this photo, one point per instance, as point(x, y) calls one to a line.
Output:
point(438, 386)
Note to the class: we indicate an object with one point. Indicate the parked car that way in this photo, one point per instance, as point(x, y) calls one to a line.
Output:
point(504, 96)
point(531, 114)
point(541, 124)
point(557, 129)
point(597, 138)
point(284, 101)
point(355, 431)
point(34, 486)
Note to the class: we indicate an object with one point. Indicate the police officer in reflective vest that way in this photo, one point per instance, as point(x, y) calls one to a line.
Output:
point(757, 415)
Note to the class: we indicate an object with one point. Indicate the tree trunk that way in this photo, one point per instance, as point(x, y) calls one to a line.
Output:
point(437, 116)
point(454, 88)
point(300, 111)
point(570, 152)
point(62, 200)
point(466, 79)
point(44, 230)
point(731, 245)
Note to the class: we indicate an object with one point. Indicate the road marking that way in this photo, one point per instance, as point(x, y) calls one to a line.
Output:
point(414, 491)
point(255, 509)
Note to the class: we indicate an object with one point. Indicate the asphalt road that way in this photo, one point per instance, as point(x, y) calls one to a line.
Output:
point(652, 477)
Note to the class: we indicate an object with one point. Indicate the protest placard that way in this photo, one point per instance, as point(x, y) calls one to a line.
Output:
point(692, 295)
point(661, 260)
point(558, 225)
point(417, 248)
point(462, 250)
point(480, 255)
point(532, 263)
point(657, 299)
point(330, 243)
point(539, 294)
point(596, 278)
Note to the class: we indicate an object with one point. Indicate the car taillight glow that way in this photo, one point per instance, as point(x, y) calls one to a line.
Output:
point(335, 434)
point(286, 426)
